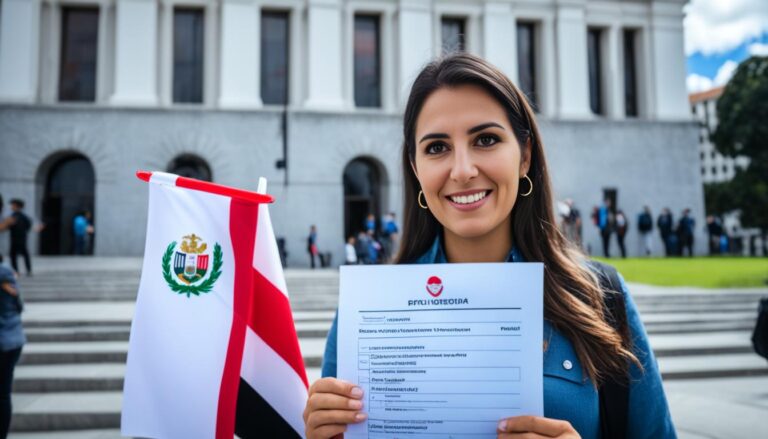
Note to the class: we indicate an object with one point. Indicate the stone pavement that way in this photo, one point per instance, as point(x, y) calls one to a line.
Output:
point(68, 383)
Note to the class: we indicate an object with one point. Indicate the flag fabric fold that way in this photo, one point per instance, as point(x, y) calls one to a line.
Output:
point(213, 350)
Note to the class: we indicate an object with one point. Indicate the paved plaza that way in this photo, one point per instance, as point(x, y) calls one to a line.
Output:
point(69, 380)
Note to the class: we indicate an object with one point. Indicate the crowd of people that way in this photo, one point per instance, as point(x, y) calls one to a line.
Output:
point(677, 237)
point(371, 244)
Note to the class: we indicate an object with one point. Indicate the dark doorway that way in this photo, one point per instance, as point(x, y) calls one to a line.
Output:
point(68, 190)
point(362, 195)
point(613, 195)
point(192, 166)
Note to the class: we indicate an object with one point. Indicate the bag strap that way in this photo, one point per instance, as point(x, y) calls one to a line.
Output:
point(614, 390)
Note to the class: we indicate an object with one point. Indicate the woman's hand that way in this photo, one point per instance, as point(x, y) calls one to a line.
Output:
point(332, 404)
point(530, 427)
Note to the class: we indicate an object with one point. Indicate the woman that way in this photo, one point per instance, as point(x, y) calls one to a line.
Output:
point(477, 189)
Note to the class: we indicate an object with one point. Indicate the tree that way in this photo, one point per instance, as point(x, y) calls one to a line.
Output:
point(742, 130)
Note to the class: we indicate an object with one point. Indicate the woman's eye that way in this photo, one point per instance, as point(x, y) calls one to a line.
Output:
point(487, 140)
point(436, 148)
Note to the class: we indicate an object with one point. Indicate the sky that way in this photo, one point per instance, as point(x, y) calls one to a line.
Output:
point(719, 34)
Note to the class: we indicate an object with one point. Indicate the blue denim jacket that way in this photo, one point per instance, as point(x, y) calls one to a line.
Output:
point(11, 333)
point(568, 395)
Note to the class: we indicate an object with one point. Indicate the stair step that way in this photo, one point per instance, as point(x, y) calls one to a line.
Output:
point(66, 411)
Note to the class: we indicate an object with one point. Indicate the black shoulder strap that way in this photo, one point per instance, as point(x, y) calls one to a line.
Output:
point(614, 391)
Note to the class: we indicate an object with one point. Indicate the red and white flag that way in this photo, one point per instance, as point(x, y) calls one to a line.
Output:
point(213, 349)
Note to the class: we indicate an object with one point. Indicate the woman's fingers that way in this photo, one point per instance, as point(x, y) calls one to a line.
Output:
point(339, 387)
point(535, 424)
point(325, 401)
point(328, 417)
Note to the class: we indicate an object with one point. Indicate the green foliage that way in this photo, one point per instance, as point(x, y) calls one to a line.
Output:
point(742, 130)
point(204, 287)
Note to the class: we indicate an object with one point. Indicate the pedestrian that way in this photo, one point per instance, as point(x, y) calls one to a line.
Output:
point(12, 340)
point(19, 225)
point(716, 233)
point(606, 221)
point(389, 236)
point(622, 225)
point(312, 245)
point(370, 223)
point(685, 229)
point(665, 223)
point(503, 161)
point(80, 230)
point(645, 227)
point(350, 252)
point(374, 248)
point(571, 223)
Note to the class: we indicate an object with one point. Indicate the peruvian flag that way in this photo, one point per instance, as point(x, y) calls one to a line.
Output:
point(213, 350)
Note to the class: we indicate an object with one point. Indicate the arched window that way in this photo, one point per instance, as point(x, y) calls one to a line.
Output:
point(363, 187)
point(192, 166)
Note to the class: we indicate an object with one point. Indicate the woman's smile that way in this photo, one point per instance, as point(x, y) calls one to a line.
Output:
point(469, 200)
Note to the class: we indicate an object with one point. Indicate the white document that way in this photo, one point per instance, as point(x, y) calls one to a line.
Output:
point(442, 350)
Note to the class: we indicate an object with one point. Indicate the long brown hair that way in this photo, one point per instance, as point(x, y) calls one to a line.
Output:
point(573, 299)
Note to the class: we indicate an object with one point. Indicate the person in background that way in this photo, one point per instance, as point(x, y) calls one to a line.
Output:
point(374, 248)
point(350, 252)
point(12, 339)
point(572, 223)
point(606, 222)
point(370, 223)
point(312, 245)
point(361, 248)
point(685, 232)
point(389, 236)
point(716, 233)
point(622, 225)
point(19, 225)
point(665, 223)
point(80, 230)
point(645, 227)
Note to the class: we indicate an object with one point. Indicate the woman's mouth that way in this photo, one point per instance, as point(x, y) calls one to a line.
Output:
point(468, 200)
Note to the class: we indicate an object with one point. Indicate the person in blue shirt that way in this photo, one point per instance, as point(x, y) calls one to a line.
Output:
point(80, 230)
point(11, 340)
point(477, 189)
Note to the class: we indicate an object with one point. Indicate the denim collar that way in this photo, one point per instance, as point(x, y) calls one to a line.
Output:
point(436, 253)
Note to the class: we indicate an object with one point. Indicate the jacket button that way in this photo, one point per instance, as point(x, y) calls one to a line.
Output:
point(567, 365)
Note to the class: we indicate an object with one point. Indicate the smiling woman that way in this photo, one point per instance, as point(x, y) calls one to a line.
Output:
point(477, 189)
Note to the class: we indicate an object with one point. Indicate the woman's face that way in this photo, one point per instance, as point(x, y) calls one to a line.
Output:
point(467, 161)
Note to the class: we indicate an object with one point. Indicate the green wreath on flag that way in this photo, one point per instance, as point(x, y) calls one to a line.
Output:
point(204, 287)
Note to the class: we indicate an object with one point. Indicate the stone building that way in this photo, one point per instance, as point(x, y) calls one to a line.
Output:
point(309, 93)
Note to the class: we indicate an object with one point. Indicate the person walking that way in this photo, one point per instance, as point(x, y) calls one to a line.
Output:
point(572, 222)
point(80, 230)
point(685, 231)
point(312, 245)
point(606, 222)
point(350, 252)
point(645, 227)
point(388, 236)
point(19, 225)
point(622, 225)
point(12, 340)
point(716, 234)
point(665, 223)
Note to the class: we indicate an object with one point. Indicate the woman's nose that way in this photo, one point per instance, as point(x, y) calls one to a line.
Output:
point(463, 168)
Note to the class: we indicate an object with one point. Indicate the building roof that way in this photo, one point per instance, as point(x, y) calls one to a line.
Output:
point(706, 95)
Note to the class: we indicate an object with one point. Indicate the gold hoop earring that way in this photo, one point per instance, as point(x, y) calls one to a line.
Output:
point(530, 182)
point(418, 199)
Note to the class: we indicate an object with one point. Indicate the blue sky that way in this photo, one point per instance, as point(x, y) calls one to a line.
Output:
point(719, 34)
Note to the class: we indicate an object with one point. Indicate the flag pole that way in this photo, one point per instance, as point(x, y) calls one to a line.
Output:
point(206, 186)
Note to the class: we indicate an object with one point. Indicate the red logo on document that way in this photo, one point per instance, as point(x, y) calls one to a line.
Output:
point(434, 286)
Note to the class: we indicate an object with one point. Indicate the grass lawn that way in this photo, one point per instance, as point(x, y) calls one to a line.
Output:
point(695, 272)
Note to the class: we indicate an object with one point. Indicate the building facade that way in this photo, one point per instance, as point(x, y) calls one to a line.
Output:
point(309, 94)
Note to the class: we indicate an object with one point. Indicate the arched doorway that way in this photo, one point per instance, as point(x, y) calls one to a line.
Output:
point(68, 190)
point(192, 166)
point(363, 192)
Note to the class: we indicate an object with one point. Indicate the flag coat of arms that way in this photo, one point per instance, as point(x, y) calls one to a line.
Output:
point(213, 350)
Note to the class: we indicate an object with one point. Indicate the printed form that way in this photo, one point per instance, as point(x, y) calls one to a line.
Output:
point(442, 350)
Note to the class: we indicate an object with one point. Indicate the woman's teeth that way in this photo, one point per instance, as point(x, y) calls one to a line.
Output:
point(469, 199)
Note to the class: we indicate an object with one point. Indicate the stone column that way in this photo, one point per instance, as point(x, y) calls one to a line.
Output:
point(414, 41)
point(240, 55)
point(571, 41)
point(668, 61)
point(614, 81)
point(324, 68)
point(19, 50)
point(500, 37)
point(136, 42)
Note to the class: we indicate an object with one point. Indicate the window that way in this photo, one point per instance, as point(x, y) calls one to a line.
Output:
point(79, 43)
point(526, 62)
point(714, 170)
point(274, 57)
point(453, 35)
point(595, 70)
point(367, 61)
point(630, 73)
point(192, 166)
point(703, 170)
point(188, 55)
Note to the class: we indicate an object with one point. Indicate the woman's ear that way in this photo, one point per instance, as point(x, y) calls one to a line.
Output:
point(525, 158)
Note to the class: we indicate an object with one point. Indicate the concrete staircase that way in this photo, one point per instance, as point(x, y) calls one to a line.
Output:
point(69, 380)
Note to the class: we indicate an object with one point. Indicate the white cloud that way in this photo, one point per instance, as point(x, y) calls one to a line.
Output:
point(697, 83)
point(758, 49)
point(725, 72)
point(715, 26)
